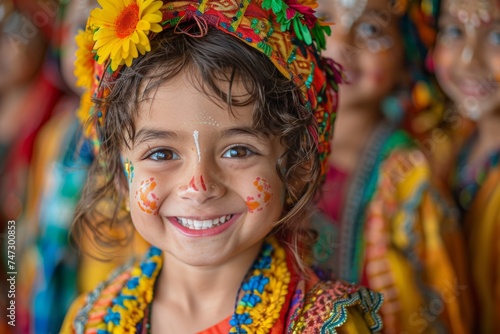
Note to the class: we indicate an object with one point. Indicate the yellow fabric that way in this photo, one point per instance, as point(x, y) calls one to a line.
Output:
point(481, 229)
point(404, 227)
point(67, 326)
point(482, 226)
point(356, 324)
point(92, 271)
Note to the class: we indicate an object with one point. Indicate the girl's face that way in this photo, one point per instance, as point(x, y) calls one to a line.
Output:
point(467, 55)
point(203, 183)
point(366, 41)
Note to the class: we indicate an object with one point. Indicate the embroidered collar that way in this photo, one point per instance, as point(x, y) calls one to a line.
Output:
point(264, 294)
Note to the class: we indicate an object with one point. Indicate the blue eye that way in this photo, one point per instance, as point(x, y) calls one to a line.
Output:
point(162, 155)
point(450, 32)
point(494, 38)
point(238, 152)
point(367, 30)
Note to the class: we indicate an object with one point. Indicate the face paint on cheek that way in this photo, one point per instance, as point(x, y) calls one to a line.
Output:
point(129, 170)
point(146, 199)
point(263, 197)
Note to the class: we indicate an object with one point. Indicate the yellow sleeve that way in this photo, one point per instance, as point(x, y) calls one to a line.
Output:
point(67, 326)
point(406, 257)
point(355, 324)
point(482, 227)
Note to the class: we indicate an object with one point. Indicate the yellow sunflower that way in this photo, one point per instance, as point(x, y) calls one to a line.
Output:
point(84, 112)
point(84, 63)
point(123, 28)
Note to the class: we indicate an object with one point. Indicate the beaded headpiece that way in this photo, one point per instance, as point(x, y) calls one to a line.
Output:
point(285, 30)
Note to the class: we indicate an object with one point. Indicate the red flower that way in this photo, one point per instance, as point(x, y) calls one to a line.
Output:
point(306, 11)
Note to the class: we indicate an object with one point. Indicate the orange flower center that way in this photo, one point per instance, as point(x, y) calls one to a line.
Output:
point(127, 21)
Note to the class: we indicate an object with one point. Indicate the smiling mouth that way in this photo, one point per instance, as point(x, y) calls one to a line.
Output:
point(194, 224)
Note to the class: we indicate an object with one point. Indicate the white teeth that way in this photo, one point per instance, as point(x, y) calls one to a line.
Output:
point(203, 224)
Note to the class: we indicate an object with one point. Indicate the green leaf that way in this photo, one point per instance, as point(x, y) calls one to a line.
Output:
point(266, 4)
point(296, 27)
point(305, 33)
point(319, 37)
point(285, 26)
point(277, 6)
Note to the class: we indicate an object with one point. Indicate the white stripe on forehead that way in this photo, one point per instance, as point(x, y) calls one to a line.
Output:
point(196, 136)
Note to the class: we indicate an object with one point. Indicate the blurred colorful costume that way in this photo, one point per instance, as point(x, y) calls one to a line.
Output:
point(394, 231)
point(481, 223)
point(390, 238)
point(476, 189)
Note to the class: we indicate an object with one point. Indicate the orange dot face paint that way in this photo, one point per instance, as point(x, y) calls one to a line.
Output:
point(146, 199)
point(262, 198)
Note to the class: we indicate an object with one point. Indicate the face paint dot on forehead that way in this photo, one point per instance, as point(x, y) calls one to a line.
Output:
point(146, 199)
point(204, 119)
point(262, 198)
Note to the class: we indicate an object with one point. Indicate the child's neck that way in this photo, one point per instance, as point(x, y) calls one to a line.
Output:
point(190, 299)
point(352, 130)
point(488, 140)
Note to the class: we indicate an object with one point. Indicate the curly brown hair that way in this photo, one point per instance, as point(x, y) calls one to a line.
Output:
point(212, 58)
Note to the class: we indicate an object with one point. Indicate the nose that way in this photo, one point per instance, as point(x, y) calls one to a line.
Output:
point(203, 181)
point(470, 55)
point(340, 46)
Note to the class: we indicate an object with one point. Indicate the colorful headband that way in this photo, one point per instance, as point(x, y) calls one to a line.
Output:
point(420, 31)
point(285, 30)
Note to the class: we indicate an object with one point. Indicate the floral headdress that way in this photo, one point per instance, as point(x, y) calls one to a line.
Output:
point(285, 30)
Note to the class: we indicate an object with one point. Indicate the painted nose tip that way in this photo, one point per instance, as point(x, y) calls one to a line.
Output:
point(200, 190)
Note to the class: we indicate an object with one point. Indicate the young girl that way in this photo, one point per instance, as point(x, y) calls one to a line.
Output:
point(219, 125)
point(467, 64)
point(382, 221)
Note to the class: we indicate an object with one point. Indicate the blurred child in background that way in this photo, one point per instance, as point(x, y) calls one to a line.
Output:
point(29, 90)
point(383, 221)
point(467, 65)
point(57, 176)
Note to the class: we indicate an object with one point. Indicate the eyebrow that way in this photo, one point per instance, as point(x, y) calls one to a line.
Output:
point(248, 131)
point(147, 134)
